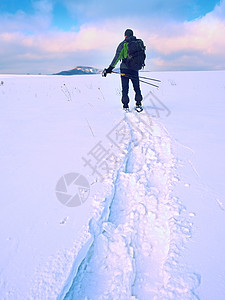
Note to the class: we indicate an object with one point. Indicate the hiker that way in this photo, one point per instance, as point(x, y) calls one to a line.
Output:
point(129, 67)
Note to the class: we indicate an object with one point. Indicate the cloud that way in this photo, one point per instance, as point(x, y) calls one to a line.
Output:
point(85, 47)
point(91, 10)
point(43, 6)
point(39, 20)
point(219, 11)
point(197, 43)
point(30, 43)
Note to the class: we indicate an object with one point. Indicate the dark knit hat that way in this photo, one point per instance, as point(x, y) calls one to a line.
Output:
point(129, 32)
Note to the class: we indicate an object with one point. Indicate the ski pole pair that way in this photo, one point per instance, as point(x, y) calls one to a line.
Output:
point(142, 77)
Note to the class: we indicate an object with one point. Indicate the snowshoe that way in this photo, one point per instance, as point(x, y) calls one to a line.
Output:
point(126, 109)
point(138, 108)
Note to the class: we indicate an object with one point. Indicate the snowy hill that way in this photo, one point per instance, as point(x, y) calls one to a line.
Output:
point(80, 70)
point(100, 204)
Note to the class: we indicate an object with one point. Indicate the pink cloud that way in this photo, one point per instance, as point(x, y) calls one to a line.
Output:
point(169, 44)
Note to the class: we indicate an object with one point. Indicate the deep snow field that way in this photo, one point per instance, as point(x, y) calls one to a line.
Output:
point(97, 203)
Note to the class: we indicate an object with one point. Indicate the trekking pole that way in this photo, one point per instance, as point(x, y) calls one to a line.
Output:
point(147, 82)
point(148, 78)
point(131, 77)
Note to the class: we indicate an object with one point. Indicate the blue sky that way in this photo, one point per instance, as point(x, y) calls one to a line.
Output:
point(47, 36)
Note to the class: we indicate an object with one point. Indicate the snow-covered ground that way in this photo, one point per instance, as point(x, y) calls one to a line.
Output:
point(151, 222)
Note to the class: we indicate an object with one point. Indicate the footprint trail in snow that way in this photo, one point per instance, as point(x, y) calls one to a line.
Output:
point(139, 230)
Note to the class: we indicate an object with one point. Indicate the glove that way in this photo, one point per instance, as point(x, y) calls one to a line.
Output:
point(106, 71)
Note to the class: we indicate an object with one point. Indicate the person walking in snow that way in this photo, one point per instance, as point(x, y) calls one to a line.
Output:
point(131, 51)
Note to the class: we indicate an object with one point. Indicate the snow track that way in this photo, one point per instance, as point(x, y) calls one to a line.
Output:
point(139, 230)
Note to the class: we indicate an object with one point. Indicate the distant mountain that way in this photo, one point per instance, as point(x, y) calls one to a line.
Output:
point(80, 70)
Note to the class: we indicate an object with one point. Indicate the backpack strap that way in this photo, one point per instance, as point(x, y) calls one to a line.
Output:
point(123, 53)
